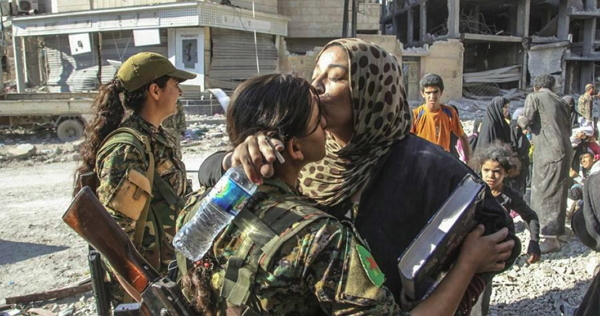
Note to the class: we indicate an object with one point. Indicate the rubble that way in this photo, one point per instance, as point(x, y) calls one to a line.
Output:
point(20, 148)
point(559, 279)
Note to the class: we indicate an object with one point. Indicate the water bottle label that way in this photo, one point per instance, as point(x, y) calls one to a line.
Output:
point(229, 196)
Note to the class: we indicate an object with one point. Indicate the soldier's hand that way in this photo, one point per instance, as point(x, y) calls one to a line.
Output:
point(256, 156)
point(485, 253)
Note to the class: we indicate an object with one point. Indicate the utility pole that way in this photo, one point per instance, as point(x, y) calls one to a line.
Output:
point(354, 17)
point(345, 20)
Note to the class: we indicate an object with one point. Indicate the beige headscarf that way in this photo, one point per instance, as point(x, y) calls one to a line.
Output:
point(381, 117)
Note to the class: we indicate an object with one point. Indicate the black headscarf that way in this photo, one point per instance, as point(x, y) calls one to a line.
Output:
point(494, 126)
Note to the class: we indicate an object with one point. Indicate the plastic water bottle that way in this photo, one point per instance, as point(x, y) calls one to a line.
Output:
point(215, 211)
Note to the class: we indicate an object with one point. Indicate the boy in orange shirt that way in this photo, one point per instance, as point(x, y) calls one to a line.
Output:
point(434, 121)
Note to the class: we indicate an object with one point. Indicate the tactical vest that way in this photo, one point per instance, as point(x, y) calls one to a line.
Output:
point(265, 236)
point(163, 195)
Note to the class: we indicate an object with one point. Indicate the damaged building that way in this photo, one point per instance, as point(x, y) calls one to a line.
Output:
point(503, 44)
point(71, 45)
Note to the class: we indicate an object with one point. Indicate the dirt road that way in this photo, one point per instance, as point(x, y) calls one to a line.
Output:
point(37, 250)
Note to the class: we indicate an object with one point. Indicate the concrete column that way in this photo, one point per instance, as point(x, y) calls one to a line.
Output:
point(590, 4)
point(587, 74)
point(410, 30)
point(563, 20)
point(18, 44)
point(396, 24)
point(423, 22)
point(453, 18)
point(589, 34)
point(523, 17)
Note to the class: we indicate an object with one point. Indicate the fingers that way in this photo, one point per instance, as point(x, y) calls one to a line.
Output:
point(505, 246)
point(498, 236)
point(265, 150)
point(256, 156)
point(533, 258)
point(247, 154)
point(241, 157)
point(487, 253)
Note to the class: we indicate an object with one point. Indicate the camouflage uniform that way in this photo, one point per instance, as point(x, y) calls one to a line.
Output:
point(175, 125)
point(322, 268)
point(585, 106)
point(113, 163)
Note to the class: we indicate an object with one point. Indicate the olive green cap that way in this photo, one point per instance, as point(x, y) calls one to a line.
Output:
point(143, 68)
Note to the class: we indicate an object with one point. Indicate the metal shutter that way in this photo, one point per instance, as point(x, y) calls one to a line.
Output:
point(67, 73)
point(234, 57)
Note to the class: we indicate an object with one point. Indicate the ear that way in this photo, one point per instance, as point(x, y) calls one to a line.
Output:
point(293, 148)
point(154, 91)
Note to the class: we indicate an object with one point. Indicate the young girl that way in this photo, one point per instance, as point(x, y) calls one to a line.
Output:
point(495, 163)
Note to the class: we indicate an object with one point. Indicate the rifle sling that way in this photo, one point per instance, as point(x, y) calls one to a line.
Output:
point(167, 192)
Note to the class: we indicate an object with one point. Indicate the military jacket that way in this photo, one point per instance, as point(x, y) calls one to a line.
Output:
point(323, 268)
point(112, 166)
point(585, 105)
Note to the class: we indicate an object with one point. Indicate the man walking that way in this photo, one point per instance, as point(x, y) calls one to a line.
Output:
point(546, 115)
point(434, 121)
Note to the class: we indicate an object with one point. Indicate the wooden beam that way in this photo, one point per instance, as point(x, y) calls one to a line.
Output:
point(453, 18)
point(50, 295)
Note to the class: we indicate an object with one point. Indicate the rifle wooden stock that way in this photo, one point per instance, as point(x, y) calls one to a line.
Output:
point(89, 218)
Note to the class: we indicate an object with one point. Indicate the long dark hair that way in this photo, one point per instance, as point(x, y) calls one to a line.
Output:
point(108, 115)
point(277, 104)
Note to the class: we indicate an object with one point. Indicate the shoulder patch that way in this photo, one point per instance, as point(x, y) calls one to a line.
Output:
point(370, 266)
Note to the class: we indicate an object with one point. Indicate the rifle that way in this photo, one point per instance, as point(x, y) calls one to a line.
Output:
point(156, 295)
point(97, 272)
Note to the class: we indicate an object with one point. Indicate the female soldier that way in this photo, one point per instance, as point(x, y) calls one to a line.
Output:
point(320, 266)
point(141, 182)
point(392, 181)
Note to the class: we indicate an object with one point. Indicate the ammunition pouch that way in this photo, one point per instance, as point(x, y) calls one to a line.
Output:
point(131, 195)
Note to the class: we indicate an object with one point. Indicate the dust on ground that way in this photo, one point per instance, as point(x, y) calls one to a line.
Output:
point(38, 252)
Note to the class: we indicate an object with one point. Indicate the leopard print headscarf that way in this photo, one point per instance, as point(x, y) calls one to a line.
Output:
point(381, 117)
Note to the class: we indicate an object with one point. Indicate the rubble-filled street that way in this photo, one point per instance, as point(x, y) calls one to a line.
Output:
point(40, 253)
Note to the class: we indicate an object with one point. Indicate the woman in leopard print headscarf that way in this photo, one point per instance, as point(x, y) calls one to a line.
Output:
point(380, 116)
point(391, 180)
